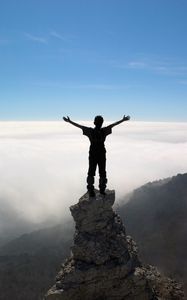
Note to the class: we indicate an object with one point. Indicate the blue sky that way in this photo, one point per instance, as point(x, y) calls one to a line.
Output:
point(83, 57)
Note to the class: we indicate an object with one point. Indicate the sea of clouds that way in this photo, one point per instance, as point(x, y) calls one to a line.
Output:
point(43, 165)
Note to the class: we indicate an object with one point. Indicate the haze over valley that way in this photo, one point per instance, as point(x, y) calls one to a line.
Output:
point(44, 166)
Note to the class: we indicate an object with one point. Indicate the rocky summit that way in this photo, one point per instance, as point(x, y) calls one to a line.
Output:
point(104, 263)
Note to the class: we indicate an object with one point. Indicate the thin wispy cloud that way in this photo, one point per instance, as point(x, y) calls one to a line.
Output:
point(57, 35)
point(36, 39)
point(154, 65)
point(91, 86)
point(137, 65)
point(45, 40)
point(65, 37)
point(150, 65)
point(170, 69)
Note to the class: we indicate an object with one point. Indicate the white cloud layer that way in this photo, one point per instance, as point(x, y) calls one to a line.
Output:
point(43, 165)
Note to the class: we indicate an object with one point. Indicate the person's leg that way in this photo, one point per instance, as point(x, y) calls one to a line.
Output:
point(102, 172)
point(91, 174)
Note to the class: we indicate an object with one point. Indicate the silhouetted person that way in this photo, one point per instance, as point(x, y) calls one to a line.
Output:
point(97, 152)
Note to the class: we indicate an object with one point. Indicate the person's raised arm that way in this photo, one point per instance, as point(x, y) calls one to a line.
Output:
point(67, 119)
point(125, 118)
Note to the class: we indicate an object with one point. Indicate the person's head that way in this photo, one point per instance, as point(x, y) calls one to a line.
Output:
point(98, 121)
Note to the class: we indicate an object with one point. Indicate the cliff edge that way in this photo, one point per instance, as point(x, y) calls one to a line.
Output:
point(104, 262)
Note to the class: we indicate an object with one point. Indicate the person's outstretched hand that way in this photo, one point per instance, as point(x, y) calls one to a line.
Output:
point(126, 118)
point(66, 119)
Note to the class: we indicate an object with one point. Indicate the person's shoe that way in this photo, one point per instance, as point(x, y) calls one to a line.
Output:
point(91, 193)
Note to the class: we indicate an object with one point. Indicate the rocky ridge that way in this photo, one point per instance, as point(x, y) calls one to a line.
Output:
point(104, 262)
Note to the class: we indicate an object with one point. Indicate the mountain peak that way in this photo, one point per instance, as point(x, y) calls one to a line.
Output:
point(104, 263)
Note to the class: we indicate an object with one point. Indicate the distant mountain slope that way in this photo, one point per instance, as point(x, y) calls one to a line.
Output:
point(51, 238)
point(156, 217)
point(28, 265)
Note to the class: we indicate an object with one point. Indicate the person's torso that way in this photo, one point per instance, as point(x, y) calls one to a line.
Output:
point(97, 138)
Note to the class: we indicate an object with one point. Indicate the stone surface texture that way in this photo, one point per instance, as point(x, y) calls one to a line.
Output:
point(104, 262)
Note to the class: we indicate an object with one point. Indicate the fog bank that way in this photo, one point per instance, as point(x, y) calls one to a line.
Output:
point(43, 165)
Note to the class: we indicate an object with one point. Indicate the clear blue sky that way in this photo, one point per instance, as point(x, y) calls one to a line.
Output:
point(88, 57)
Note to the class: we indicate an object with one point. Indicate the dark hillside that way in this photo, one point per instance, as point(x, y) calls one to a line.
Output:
point(28, 265)
point(156, 217)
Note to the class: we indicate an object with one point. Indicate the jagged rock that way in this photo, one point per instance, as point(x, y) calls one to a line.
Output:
point(104, 261)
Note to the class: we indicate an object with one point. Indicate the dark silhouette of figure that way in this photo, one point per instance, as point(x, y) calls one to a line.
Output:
point(97, 152)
